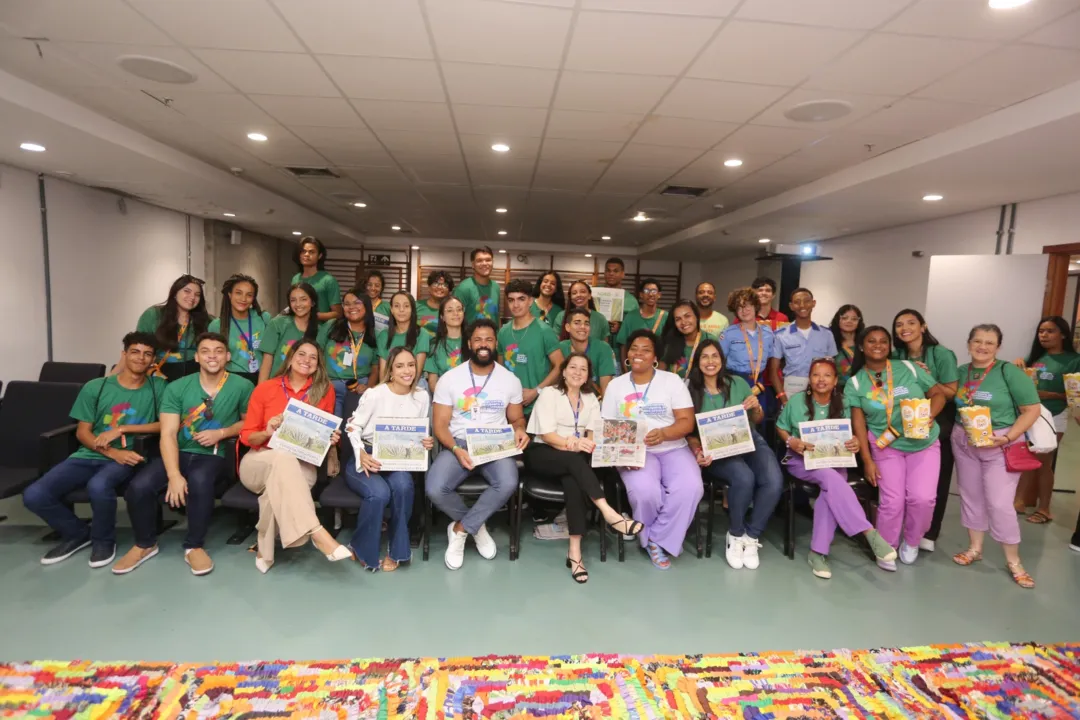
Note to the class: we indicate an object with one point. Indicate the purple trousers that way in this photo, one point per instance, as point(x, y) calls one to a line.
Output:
point(836, 505)
point(664, 495)
point(907, 491)
point(987, 489)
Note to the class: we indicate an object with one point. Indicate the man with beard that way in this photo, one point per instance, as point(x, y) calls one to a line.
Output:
point(478, 392)
point(709, 320)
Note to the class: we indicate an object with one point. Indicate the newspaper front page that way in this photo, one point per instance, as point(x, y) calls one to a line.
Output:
point(305, 432)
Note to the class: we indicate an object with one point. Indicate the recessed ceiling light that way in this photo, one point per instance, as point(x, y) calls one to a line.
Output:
point(32, 147)
point(257, 137)
point(933, 197)
point(588, 254)
point(764, 241)
point(818, 111)
point(359, 205)
point(297, 232)
point(502, 232)
point(733, 162)
point(229, 214)
point(605, 237)
point(415, 247)
point(641, 217)
point(395, 228)
point(1007, 4)
point(500, 210)
point(502, 252)
point(500, 147)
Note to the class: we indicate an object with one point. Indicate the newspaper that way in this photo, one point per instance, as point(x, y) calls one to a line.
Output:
point(725, 432)
point(398, 444)
point(609, 302)
point(828, 438)
point(305, 432)
point(621, 444)
point(491, 442)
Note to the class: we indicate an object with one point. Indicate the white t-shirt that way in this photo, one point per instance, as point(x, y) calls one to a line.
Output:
point(554, 413)
point(477, 400)
point(654, 403)
point(380, 401)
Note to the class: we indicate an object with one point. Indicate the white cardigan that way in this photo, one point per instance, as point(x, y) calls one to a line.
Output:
point(380, 401)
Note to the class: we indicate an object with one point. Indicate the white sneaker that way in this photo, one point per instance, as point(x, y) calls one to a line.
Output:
point(485, 544)
point(927, 544)
point(908, 554)
point(455, 549)
point(734, 552)
point(1074, 547)
point(749, 553)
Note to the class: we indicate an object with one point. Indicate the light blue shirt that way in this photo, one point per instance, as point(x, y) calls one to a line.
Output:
point(798, 351)
point(736, 354)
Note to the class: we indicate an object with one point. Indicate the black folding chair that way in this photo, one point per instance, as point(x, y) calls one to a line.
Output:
point(81, 373)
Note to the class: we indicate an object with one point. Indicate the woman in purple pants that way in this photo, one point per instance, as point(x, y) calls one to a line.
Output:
point(837, 504)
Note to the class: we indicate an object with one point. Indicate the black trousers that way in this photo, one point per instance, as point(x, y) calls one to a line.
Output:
point(1076, 533)
point(580, 484)
point(945, 420)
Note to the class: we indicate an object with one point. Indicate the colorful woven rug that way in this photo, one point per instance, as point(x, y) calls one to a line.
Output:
point(991, 680)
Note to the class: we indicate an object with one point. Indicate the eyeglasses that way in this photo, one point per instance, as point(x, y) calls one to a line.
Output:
point(654, 291)
point(438, 284)
point(208, 413)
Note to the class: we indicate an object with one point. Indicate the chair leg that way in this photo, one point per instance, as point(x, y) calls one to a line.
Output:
point(699, 541)
point(426, 532)
point(162, 525)
point(245, 525)
point(789, 525)
point(3, 518)
point(709, 522)
point(621, 542)
point(515, 522)
point(603, 535)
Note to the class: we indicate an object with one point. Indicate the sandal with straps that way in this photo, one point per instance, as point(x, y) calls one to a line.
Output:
point(1039, 518)
point(580, 576)
point(1020, 575)
point(659, 558)
point(628, 527)
point(968, 557)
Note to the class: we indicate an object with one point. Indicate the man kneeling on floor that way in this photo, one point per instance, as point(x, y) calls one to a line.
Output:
point(106, 409)
point(478, 392)
point(199, 413)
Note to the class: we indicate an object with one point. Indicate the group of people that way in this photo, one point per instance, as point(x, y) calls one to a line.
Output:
point(552, 373)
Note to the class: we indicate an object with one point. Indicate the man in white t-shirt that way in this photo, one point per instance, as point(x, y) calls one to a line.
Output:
point(478, 392)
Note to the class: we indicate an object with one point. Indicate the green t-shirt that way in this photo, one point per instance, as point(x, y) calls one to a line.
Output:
point(844, 357)
point(550, 317)
point(186, 395)
point(427, 317)
point(634, 321)
point(447, 355)
point(739, 391)
point(600, 355)
point(1003, 388)
point(940, 359)
point(281, 334)
point(795, 412)
point(1051, 371)
point(598, 325)
point(244, 344)
point(148, 322)
point(342, 361)
point(682, 365)
point(862, 392)
point(422, 346)
point(106, 405)
point(326, 288)
point(525, 352)
point(479, 300)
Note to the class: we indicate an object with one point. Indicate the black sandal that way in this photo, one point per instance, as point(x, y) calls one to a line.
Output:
point(581, 576)
point(629, 527)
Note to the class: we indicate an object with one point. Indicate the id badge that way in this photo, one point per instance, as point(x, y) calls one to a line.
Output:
point(255, 343)
point(347, 360)
point(522, 358)
point(253, 365)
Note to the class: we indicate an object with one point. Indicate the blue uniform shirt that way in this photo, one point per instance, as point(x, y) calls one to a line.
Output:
point(733, 343)
point(798, 351)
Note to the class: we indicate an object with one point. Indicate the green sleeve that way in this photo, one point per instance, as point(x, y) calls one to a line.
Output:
point(295, 279)
point(605, 365)
point(1021, 388)
point(245, 394)
point(557, 326)
point(549, 339)
point(83, 410)
point(214, 326)
point(173, 402)
point(323, 333)
point(739, 391)
point(429, 364)
point(468, 298)
point(271, 337)
point(945, 370)
point(333, 290)
point(851, 395)
point(925, 379)
point(380, 342)
point(786, 422)
point(620, 338)
point(148, 321)
point(423, 343)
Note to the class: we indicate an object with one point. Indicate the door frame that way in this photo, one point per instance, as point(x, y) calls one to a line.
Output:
point(1057, 276)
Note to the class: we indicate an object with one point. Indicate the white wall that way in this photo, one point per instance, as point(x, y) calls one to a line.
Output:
point(730, 274)
point(23, 343)
point(256, 255)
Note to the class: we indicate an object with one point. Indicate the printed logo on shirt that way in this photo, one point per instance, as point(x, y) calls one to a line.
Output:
point(487, 307)
point(187, 431)
point(286, 347)
point(122, 414)
point(628, 407)
point(965, 397)
point(453, 358)
point(512, 358)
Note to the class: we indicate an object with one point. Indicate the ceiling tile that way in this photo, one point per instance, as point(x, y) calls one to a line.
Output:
point(53, 68)
point(862, 105)
point(704, 8)
point(357, 155)
point(917, 118)
point(130, 106)
point(478, 147)
point(270, 73)
point(579, 151)
point(286, 150)
point(1064, 33)
point(218, 108)
point(490, 120)
point(711, 172)
point(328, 112)
point(574, 125)
point(504, 33)
point(376, 78)
point(1009, 75)
point(393, 115)
point(104, 21)
point(622, 184)
point(761, 140)
point(495, 85)
point(323, 137)
point(849, 14)
point(721, 101)
point(369, 175)
point(556, 175)
point(977, 20)
point(231, 25)
point(512, 172)
point(359, 27)
point(610, 92)
point(637, 43)
point(438, 169)
point(413, 142)
point(103, 57)
point(682, 132)
point(658, 156)
point(746, 52)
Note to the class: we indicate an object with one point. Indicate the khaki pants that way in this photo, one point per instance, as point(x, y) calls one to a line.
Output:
point(283, 485)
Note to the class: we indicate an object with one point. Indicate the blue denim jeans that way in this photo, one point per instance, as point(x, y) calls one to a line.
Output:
point(144, 494)
point(393, 488)
point(101, 478)
point(752, 479)
point(446, 473)
point(340, 391)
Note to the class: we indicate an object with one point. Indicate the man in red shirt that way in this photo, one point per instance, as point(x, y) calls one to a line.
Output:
point(765, 288)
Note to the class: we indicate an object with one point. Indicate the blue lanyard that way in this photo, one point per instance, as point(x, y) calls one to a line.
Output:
point(473, 379)
point(285, 389)
point(577, 412)
point(250, 337)
point(644, 395)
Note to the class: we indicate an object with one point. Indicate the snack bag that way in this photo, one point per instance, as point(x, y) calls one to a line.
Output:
point(1072, 389)
point(1032, 373)
point(915, 413)
point(977, 425)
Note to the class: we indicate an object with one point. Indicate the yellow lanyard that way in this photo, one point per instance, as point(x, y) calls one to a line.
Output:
point(357, 346)
point(889, 400)
point(693, 350)
point(755, 368)
point(193, 415)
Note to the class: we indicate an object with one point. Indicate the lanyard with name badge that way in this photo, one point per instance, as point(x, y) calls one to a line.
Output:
point(890, 433)
point(577, 412)
point(755, 369)
point(473, 411)
point(194, 413)
point(252, 343)
point(355, 345)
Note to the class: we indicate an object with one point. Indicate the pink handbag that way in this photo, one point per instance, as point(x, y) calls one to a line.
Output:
point(1019, 458)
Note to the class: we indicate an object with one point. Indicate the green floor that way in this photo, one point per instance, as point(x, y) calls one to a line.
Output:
point(307, 608)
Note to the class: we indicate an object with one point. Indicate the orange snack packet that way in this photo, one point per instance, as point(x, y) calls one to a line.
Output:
point(978, 425)
point(915, 413)
point(1072, 389)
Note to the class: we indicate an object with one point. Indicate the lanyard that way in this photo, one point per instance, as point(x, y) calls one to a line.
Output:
point(250, 337)
point(889, 400)
point(659, 319)
point(285, 389)
point(709, 397)
point(577, 413)
point(195, 412)
point(472, 379)
point(357, 345)
point(973, 387)
point(755, 368)
point(690, 360)
point(644, 395)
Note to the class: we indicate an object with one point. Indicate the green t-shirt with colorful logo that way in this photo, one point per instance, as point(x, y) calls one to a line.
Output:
point(107, 405)
point(940, 359)
point(1003, 388)
point(244, 341)
point(422, 346)
point(1051, 370)
point(795, 412)
point(598, 325)
point(479, 300)
point(187, 398)
point(549, 317)
point(866, 392)
point(347, 360)
point(525, 352)
point(600, 355)
point(844, 357)
point(634, 321)
point(443, 356)
point(185, 351)
point(427, 317)
point(281, 334)
point(326, 288)
point(682, 365)
point(737, 392)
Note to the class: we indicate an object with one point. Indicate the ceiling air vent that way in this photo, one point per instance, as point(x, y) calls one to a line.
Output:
point(684, 191)
point(312, 172)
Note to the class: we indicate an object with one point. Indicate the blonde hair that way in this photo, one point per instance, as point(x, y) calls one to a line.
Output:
point(391, 357)
point(320, 381)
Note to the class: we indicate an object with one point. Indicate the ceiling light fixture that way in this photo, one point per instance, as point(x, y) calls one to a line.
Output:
point(297, 232)
point(818, 110)
point(502, 252)
point(257, 137)
point(502, 232)
point(156, 69)
point(229, 214)
point(605, 237)
point(359, 205)
point(395, 228)
point(500, 147)
point(641, 217)
point(415, 247)
point(32, 147)
point(500, 210)
point(1007, 4)
point(733, 162)
point(764, 241)
point(588, 254)
point(933, 197)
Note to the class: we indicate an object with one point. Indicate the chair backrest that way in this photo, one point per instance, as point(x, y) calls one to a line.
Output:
point(69, 372)
point(29, 409)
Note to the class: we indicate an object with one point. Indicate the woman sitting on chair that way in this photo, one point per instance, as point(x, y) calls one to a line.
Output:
point(563, 423)
point(837, 504)
point(282, 482)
